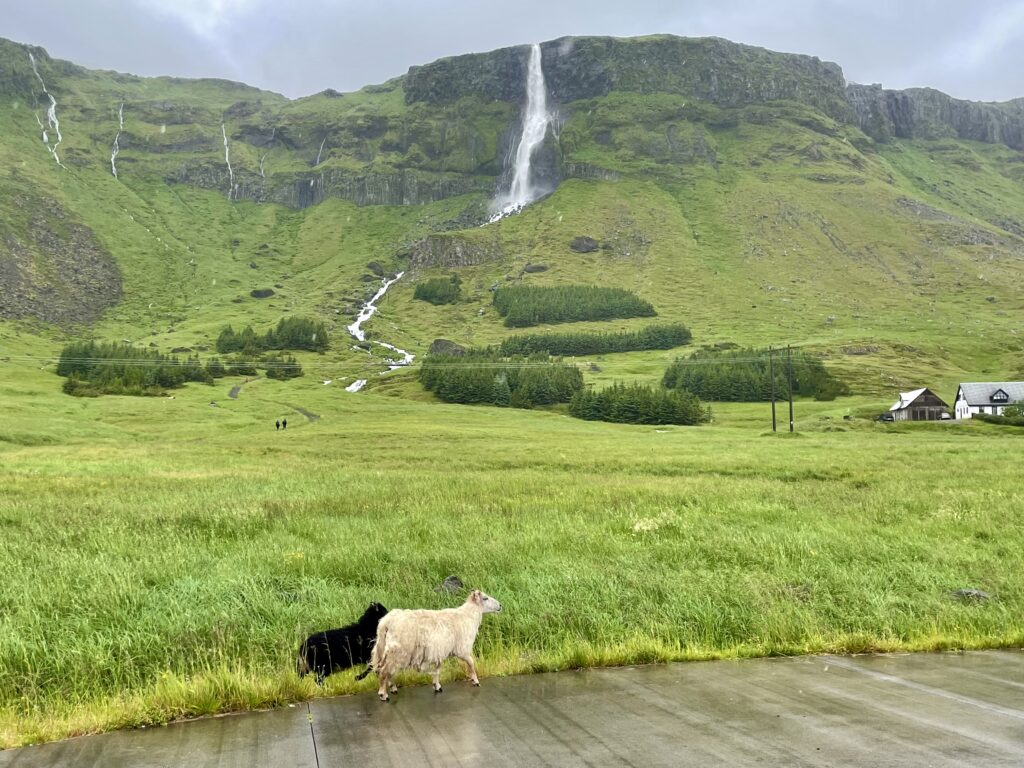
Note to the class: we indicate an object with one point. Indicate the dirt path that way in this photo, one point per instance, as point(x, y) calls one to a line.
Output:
point(233, 394)
point(310, 416)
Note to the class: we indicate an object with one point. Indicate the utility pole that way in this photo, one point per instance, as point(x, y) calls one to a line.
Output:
point(789, 360)
point(771, 376)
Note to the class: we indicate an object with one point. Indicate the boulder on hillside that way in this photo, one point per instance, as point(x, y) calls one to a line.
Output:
point(261, 293)
point(531, 268)
point(584, 244)
point(376, 268)
point(445, 347)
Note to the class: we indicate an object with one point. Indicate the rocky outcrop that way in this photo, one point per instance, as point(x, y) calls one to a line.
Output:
point(301, 190)
point(406, 187)
point(56, 271)
point(924, 113)
point(584, 244)
point(718, 72)
point(446, 347)
point(587, 171)
point(453, 250)
point(708, 69)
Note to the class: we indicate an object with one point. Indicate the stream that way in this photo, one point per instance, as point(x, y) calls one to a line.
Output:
point(356, 330)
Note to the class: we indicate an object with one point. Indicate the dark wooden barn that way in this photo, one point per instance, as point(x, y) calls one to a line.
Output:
point(920, 405)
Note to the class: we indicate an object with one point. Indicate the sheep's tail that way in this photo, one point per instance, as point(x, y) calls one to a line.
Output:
point(365, 672)
point(377, 655)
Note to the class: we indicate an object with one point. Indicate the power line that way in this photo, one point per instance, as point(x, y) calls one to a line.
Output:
point(228, 362)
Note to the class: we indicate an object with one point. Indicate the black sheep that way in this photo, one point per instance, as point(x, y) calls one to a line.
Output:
point(325, 652)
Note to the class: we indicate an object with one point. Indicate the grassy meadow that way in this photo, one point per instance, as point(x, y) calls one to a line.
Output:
point(164, 558)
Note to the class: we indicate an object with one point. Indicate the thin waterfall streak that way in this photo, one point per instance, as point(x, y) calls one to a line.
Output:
point(319, 152)
point(227, 159)
point(116, 149)
point(51, 115)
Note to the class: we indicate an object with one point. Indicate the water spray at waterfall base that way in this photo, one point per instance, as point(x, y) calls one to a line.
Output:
point(536, 118)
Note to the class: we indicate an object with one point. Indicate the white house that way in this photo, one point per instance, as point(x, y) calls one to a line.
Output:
point(987, 397)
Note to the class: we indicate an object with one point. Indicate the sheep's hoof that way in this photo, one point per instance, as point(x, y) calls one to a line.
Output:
point(476, 683)
point(383, 697)
point(439, 689)
point(394, 688)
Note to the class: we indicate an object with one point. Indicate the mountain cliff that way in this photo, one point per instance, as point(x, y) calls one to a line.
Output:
point(756, 195)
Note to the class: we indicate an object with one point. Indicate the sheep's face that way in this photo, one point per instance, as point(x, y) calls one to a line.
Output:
point(486, 602)
point(375, 612)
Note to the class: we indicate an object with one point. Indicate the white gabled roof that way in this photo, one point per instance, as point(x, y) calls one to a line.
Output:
point(980, 392)
point(906, 398)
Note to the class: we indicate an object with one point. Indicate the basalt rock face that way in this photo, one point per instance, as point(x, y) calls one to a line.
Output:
point(719, 72)
point(453, 250)
point(707, 69)
point(929, 114)
point(304, 189)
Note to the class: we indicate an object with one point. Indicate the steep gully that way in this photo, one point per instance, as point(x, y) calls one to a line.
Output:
point(521, 192)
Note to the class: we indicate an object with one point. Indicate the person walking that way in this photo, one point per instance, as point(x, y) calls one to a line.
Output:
point(284, 423)
point(277, 424)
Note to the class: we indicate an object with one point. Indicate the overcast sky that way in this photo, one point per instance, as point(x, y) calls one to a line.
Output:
point(972, 50)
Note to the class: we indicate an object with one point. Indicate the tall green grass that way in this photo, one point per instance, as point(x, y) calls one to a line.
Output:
point(164, 558)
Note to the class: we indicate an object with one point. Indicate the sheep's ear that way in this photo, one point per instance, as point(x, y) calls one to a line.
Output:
point(476, 596)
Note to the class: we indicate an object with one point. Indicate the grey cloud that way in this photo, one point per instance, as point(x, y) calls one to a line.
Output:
point(968, 50)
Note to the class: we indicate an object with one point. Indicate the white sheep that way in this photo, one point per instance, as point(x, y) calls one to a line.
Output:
point(422, 640)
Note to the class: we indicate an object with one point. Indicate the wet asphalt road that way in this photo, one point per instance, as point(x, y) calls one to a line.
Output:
point(952, 709)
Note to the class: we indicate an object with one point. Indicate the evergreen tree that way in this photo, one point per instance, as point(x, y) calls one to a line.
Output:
point(524, 305)
point(580, 343)
point(215, 368)
point(501, 395)
point(482, 377)
point(743, 375)
point(439, 290)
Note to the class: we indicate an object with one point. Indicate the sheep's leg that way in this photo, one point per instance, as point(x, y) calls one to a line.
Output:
point(382, 692)
point(471, 669)
point(437, 679)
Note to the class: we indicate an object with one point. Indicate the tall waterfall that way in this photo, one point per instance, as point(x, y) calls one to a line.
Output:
point(536, 119)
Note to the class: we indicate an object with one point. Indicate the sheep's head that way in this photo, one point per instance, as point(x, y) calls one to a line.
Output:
point(375, 612)
point(486, 603)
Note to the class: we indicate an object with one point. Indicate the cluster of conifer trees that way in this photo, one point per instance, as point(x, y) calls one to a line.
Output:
point(482, 377)
point(525, 305)
point(281, 367)
point(101, 368)
point(290, 333)
point(438, 290)
point(664, 336)
point(742, 375)
point(95, 368)
point(639, 404)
